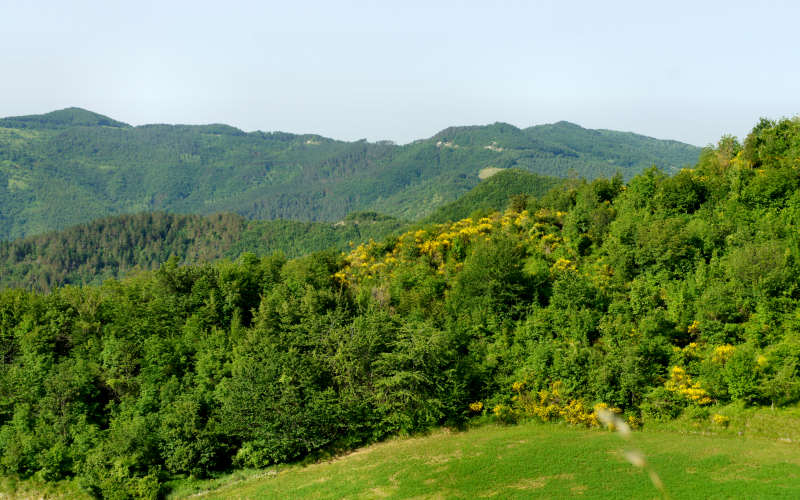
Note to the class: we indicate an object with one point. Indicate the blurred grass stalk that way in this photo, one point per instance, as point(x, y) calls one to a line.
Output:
point(634, 456)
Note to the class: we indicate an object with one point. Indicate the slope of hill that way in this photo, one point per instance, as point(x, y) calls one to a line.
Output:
point(661, 298)
point(72, 166)
point(63, 118)
point(530, 461)
point(494, 194)
point(113, 246)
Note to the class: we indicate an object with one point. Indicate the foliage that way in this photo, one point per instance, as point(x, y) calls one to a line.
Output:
point(663, 296)
point(72, 166)
point(114, 246)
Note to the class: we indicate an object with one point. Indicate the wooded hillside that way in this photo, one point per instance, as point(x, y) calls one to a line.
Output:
point(73, 166)
point(652, 298)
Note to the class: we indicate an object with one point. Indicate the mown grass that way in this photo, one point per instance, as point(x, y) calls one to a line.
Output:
point(532, 460)
point(756, 456)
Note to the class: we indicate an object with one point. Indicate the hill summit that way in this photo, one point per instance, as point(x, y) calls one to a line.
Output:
point(62, 118)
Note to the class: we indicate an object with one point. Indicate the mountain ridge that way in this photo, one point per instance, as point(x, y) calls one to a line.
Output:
point(59, 116)
point(72, 166)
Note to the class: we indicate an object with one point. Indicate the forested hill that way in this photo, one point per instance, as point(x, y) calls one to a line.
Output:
point(495, 193)
point(71, 166)
point(61, 119)
point(650, 299)
point(111, 247)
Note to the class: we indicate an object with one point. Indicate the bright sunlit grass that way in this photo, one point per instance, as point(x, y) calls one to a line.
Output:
point(533, 460)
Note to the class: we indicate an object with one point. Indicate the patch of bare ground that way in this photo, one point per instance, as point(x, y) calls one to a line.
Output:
point(487, 172)
point(539, 482)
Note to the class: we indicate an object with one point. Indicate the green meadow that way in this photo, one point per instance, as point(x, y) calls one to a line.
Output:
point(533, 460)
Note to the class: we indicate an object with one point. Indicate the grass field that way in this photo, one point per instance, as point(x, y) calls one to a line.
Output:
point(530, 461)
point(757, 456)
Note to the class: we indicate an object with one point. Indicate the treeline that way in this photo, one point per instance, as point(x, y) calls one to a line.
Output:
point(114, 246)
point(657, 296)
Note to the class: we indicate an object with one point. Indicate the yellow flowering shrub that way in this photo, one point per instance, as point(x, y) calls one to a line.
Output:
point(476, 406)
point(681, 383)
point(504, 413)
point(563, 265)
point(722, 353)
point(550, 404)
point(576, 413)
point(634, 422)
point(549, 242)
point(443, 246)
point(720, 420)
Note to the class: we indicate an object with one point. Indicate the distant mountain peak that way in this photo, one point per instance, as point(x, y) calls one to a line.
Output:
point(62, 118)
point(564, 123)
point(496, 127)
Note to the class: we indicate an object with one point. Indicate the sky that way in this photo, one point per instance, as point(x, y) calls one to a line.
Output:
point(403, 70)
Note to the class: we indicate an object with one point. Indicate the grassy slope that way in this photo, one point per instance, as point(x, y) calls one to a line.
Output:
point(533, 460)
point(530, 460)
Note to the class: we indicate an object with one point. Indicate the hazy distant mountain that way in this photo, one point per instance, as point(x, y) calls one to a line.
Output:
point(70, 166)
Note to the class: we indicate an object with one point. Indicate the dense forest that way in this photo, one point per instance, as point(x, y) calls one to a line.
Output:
point(115, 246)
point(112, 247)
point(73, 166)
point(657, 296)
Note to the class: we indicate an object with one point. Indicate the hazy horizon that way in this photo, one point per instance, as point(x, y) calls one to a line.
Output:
point(685, 71)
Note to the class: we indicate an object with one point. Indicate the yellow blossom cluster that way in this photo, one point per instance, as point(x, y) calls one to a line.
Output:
point(341, 275)
point(548, 215)
point(515, 220)
point(562, 266)
point(550, 404)
point(634, 422)
point(722, 353)
point(504, 413)
point(720, 420)
point(476, 406)
point(680, 382)
point(576, 413)
point(443, 245)
point(690, 351)
point(549, 242)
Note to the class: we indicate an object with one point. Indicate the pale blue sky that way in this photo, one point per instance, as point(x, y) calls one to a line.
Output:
point(690, 71)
